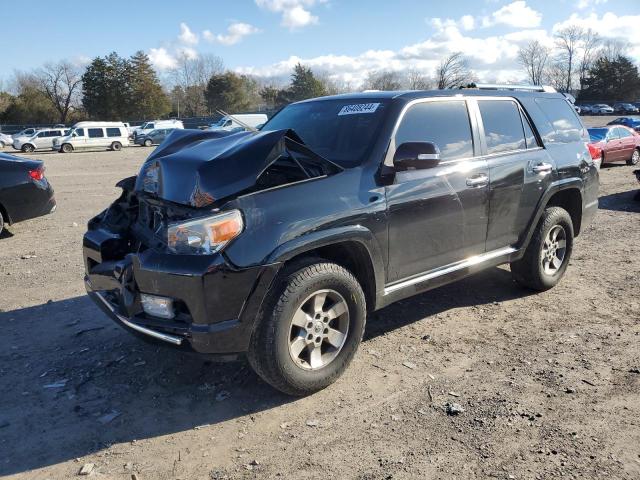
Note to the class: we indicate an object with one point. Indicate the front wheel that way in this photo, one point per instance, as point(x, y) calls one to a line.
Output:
point(635, 157)
point(547, 255)
point(116, 146)
point(310, 328)
point(67, 148)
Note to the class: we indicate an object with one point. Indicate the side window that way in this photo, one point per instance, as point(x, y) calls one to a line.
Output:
point(502, 125)
point(622, 133)
point(444, 123)
point(151, 125)
point(113, 132)
point(613, 134)
point(95, 132)
point(42, 134)
point(529, 136)
point(67, 132)
point(80, 132)
point(563, 118)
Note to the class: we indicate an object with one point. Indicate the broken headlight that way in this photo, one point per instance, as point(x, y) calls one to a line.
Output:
point(205, 235)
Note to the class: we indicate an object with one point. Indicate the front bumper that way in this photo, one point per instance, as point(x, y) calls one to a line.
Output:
point(216, 304)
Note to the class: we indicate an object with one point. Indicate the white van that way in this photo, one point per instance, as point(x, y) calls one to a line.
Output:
point(41, 139)
point(100, 135)
point(228, 122)
point(156, 124)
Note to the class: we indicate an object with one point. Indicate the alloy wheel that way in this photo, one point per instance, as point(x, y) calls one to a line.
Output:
point(635, 158)
point(319, 329)
point(554, 250)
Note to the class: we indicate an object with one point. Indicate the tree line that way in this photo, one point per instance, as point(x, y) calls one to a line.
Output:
point(117, 88)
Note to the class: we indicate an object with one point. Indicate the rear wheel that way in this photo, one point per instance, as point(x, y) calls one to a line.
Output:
point(547, 255)
point(116, 146)
point(67, 148)
point(28, 148)
point(635, 157)
point(309, 329)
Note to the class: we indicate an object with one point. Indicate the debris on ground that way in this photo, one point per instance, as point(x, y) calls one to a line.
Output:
point(453, 408)
point(86, 469)
point(312, 423)
point(410, 365)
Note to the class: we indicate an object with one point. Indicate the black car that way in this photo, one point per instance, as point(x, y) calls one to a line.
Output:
point(154, 137)
point(24, 190)
point(278, 243)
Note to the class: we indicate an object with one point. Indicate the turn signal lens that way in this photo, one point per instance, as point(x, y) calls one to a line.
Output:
point(206, 235)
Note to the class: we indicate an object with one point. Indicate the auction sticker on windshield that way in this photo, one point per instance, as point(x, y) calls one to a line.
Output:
point(358, 108)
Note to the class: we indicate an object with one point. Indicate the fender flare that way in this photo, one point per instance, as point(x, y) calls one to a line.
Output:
point(332, 236)
point(555, 187)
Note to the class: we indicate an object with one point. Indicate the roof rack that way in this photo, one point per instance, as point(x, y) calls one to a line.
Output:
point(528, 88)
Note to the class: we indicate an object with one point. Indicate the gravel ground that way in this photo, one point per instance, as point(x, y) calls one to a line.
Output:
point(546, 384)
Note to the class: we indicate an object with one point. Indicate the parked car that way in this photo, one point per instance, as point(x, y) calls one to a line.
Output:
point(27, 132)
point(239, 121)
point(278, 243)
point(586, 109)
point(24, 190)
point(154, 137)
point(42, 139)
point(601, 109)
point(93, 135)
point(617, 144)
point(625, 108)
point(5, 140)
point(631, 122)
point(156, 124)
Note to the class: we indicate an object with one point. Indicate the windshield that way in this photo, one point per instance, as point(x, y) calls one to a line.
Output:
point(598, 134)
point(339, 130)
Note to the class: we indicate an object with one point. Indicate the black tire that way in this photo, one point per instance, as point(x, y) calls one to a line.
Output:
point(529, 271)
point(66, 148)
point(148, 143)
point(27, 148)
point(116, 146)
point(635, 157)
point(602, 161)
point(269, 350)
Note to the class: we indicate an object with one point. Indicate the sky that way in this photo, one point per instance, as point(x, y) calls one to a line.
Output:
point(343, 39)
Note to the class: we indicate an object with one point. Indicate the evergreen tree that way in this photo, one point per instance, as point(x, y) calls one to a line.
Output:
point(148, 98)
point(107, 88)
point(227, 91)
point(612, 80)
point(304, 84)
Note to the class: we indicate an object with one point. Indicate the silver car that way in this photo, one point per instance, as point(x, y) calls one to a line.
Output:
point(41, 140)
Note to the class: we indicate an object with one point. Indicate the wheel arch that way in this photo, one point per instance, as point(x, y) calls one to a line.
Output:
point(354, 248)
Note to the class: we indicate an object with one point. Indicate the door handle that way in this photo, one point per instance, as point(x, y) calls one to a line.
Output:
point(478, 181)
point(542, 168)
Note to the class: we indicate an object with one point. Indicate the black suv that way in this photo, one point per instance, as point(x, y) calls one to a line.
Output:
point(277, 243)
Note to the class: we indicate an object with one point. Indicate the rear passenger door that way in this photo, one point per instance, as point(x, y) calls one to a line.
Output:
point(95, 137)
point(519, 169)
point(437, 216)
point(627, 143)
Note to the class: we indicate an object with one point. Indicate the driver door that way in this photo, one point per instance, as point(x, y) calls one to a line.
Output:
point(439, 215)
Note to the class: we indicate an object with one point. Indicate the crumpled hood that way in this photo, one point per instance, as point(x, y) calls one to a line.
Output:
point(198, 168)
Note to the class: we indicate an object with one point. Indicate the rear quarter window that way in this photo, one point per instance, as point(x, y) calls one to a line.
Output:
point(566, 126)
point(503, 128)
point(113, 132)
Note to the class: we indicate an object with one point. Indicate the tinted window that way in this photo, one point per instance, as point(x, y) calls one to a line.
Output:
point(444, 123)
point(42, 134)
point(79, 132)
point(113, 132)
point(150, 125)
point(563, 119)
point(95, 133)
point(342, 130)
point(529, 136)
point(67, 132)
point(622, 133)
point(502, 126)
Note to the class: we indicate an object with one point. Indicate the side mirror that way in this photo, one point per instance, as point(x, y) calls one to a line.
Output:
point(416, 155)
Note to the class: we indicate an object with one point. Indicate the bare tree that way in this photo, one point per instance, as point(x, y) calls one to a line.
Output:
point(383, 80)
point(453, 71)
point(190, 78)
point(612, 49)
point(590, 42)
point(534, 58)
point(61, 83)
point(416, 80)
point(568, 41)
point(556, 75)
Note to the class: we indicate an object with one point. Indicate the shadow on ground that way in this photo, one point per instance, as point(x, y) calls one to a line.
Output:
point(621, 202)
point(66, 370)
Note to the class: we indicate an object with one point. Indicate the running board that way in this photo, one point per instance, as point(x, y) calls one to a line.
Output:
point(454, 267)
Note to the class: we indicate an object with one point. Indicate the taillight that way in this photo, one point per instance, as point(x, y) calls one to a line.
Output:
point(37, 174)
point(594, 151)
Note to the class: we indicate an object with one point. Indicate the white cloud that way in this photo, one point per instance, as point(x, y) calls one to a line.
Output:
point(295, 13)
point(161, 59)
point(516, 14)
point(235, 33)
point(187, 36)
point(584, 4)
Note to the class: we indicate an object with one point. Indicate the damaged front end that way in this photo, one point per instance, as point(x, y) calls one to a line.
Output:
point(155, 258)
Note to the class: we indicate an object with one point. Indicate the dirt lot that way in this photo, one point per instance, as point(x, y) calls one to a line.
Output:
point(549, 382)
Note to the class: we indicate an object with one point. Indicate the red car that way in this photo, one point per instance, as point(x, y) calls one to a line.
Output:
point(617, 144)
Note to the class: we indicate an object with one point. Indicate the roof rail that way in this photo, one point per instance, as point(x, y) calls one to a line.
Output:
point(529, 88)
